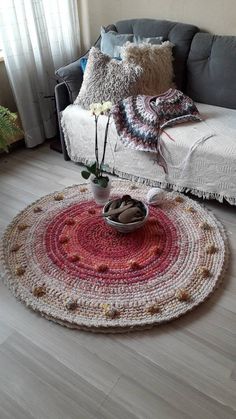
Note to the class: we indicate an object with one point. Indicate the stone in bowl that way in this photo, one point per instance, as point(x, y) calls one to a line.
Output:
point(127, 214)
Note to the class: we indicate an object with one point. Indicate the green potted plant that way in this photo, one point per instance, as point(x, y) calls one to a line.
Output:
point(8, 127)
point(99, 181)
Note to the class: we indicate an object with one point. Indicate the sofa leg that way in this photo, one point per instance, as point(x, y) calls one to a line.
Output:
point(66, 157)
point(64, 151)
point(63, 146)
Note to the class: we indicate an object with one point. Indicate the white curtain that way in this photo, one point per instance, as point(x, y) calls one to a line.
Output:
point(37, 37)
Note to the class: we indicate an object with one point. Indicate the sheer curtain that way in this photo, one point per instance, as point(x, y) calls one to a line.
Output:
point(37, 37)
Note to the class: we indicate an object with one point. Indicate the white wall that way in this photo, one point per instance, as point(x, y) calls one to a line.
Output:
point(215, 16)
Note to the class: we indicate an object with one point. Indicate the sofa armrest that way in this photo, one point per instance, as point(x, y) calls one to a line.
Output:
point(72, 75)
point(62, 98)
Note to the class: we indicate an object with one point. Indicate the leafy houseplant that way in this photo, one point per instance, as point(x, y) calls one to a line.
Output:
point(96, 169)
point(8, 127)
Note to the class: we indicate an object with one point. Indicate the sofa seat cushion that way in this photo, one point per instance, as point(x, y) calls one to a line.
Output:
point(201, 159)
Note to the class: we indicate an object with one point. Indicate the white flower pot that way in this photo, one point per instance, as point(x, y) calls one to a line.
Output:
point(100, 194)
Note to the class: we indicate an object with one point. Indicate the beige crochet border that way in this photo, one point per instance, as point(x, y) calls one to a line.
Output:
point(109, 325)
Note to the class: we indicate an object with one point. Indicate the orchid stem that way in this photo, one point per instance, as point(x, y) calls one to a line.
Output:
point(96, 142)
point(105, 142)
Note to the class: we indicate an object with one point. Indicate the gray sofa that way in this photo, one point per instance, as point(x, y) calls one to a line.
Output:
point(205, 69)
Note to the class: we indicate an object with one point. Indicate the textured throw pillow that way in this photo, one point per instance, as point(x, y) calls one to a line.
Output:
point(111, 41)
point(107, 79)
point(156, 61)
point(84, 60)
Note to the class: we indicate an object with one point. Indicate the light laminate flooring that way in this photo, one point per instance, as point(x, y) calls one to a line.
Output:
point(182, 370)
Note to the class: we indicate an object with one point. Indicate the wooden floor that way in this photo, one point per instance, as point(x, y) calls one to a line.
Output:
point(185, 369)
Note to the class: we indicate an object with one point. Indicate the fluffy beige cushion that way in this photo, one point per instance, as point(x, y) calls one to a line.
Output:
point(107, 79)
point(156, 61)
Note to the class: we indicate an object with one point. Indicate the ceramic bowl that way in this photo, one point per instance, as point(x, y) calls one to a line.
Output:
point(125, 228)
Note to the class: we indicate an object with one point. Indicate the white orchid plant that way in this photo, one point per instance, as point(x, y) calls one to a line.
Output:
point(97, 168)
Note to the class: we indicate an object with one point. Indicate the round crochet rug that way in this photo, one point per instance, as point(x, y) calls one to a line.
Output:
point(62, 260)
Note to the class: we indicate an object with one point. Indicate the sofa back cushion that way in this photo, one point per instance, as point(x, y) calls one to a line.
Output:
point(179, 34)
point(211, 70)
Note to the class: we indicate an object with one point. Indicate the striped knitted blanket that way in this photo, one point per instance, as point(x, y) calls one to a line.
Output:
point(141, 119)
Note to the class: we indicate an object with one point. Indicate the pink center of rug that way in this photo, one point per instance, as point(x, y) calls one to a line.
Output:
point(79, 242)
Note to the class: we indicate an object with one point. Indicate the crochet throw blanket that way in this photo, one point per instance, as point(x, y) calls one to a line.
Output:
point(141, 119)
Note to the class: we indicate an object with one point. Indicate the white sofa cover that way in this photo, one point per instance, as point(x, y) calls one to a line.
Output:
point(201, 159)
